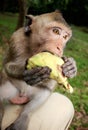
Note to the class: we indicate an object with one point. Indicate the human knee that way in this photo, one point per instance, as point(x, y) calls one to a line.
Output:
point(66, 104)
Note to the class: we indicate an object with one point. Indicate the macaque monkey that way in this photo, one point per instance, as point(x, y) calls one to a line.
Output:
point(46, 32)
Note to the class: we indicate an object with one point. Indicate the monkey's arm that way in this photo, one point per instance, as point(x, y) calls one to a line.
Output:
point(69, 68)
point(1, 112)
point(38, 74)
point(32, 77)
point(14, 70)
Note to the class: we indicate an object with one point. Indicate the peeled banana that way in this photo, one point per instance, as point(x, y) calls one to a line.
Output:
point(54, 62)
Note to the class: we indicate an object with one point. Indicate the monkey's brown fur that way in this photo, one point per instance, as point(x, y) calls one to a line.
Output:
point(22, 46)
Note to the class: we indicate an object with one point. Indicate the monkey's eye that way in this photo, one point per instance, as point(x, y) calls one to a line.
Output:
point(56, 31)
point(65, 36)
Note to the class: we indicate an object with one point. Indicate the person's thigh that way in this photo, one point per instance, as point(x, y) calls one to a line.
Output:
point(55, 114)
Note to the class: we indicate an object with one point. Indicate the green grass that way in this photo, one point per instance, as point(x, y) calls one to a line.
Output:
point(77, 48)
point(7, 26)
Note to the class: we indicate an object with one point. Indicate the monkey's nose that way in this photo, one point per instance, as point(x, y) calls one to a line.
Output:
point(59, 51)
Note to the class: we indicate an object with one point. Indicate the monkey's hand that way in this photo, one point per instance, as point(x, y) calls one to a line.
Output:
point(36, 75)
point(69, 68)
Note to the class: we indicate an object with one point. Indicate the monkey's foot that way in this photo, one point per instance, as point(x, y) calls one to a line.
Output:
point(20, 124)
point(19, 100)
point(10, 127)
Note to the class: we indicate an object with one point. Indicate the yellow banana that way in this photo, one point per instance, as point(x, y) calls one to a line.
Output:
point(54, 62)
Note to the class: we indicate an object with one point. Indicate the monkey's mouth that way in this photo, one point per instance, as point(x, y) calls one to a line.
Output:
point(48, 51)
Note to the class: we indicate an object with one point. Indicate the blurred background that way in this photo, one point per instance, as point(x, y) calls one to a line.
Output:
point(75, 12)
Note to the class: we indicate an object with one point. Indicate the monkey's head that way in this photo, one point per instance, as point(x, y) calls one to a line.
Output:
point(47, 32)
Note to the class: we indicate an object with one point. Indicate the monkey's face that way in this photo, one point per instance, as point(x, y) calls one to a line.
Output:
point(49, 32)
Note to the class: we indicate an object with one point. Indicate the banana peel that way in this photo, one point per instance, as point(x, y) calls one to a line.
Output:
point(54, 62)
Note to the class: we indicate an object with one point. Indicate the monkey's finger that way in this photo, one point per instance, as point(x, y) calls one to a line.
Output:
point(30, 78)
point(43, 71)
point(38, 79)
point(69, 61)
point(36, 75)
point(32, 71)
point(69, 73)
point(65, 59)
point(46, 76)
point(36, 72)
point(68, 68)
point(33, 82)
point(69, 64)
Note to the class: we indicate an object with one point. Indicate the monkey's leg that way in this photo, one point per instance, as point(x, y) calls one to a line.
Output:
point(7, 91)
point(1, 112)
point(22, 122)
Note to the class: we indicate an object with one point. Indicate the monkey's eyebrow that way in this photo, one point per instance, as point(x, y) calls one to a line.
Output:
point(57, 27)
point(68, 34)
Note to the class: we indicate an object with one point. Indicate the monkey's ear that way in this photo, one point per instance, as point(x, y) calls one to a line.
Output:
point(28, 22)
point(29, 16)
